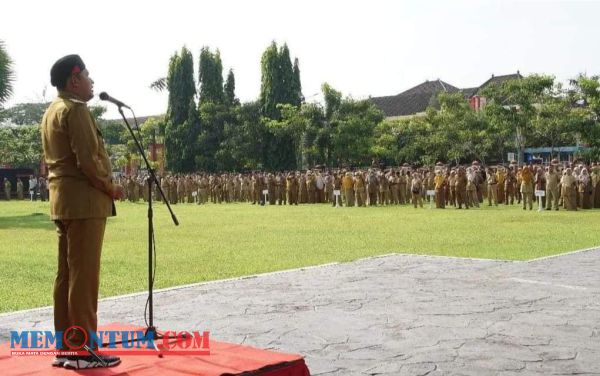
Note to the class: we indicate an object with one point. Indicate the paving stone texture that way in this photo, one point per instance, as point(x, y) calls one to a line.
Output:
point(393, 315)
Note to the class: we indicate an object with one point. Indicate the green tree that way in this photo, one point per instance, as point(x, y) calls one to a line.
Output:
point(556, 124)
point(21, 146)
point(514, 105)
point(304, 127)
point(6, 74)
point(352, 132)
point(112, 131)
point(242, 144)
point(229, 90)
point(210, 76)
point(182, 122)
point(296, 83)
point(584, 97)
point(24, 113)
point(213, 117)
point(280, 85)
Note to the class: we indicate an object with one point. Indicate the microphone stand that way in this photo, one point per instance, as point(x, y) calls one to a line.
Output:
point(150, 329)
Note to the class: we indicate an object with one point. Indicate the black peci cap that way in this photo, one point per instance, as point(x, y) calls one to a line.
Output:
point(63, 68)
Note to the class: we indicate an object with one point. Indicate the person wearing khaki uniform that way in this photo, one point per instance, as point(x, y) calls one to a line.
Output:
point(527, 187)
point(291, 186)
point(348, 189)
point(7, 188)
point(540, 184)
point(416, 187)
point(552, 182)
point(596, 185)
point(165, 186)
point(460, 188)
point(402, 197)
point(439, 183)
point(569, 186)
point(246, 189)
point(500, 177)
point(393, 180)
point(311, 187)
point(360, 190)
point(302, 190)
point(81, 198)
point(203, 190)
point(492, 187)
point(509, 187)
point(452, 186)
point(585, 190)
point(472, 198)
point(372, 189)
point(19, 189)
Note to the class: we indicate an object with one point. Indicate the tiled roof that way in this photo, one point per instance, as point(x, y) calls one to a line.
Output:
point(418, 98)
point(470, 91)
point(413, 100)
point(500, 79)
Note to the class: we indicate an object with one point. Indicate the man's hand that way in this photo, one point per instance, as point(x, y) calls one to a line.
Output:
point(118, 192)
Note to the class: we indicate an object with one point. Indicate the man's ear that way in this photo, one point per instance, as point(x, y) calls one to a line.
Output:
point(74, 81)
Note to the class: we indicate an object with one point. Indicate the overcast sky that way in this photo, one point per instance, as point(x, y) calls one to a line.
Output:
point(362, 48)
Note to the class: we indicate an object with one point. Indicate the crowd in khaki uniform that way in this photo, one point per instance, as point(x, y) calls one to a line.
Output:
point(571, 186)
point(37, 187)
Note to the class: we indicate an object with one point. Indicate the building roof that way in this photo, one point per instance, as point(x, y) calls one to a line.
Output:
point(470, 91)
point(500, 79)
point(418, 98)
point(413, 100)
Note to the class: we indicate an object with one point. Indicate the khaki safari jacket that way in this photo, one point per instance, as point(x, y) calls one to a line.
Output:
point(79, 170)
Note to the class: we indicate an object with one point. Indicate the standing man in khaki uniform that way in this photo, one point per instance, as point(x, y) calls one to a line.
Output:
point(500, 177)
point(7, 189)
point(460, 188)
point(81, 198)
point(527, 187)
point(440, 189)
point(492, 187)
point(19, 189)
point(552, 183)
point(348, 189)
point(360, 189)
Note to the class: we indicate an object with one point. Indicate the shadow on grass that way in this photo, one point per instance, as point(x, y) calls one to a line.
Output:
point(32, 221)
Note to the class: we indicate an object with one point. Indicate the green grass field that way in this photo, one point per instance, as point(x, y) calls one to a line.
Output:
point(229, 240)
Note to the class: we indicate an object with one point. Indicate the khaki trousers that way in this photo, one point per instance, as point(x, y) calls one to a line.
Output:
point(492, 194)
point(78, 276)
point(417, 199)
point(552, 198)
point(349, 197)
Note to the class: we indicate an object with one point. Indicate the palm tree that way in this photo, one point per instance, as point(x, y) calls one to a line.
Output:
point(159, 85)
point(6, 75)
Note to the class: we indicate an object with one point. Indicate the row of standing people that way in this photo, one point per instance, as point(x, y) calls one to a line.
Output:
point(463, 186)
point(35, 187)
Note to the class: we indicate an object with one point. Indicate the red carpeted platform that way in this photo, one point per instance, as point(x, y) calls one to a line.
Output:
point(225, 359)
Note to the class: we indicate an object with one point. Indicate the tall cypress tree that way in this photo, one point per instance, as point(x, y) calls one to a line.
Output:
point(296, 84)
point(269, 65)
point(280, 84)
point(214, 109)
point(229, 89)
point(210, 76)
point(181, 122)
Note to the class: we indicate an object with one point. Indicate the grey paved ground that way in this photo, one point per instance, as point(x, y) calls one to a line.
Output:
point(395, 315)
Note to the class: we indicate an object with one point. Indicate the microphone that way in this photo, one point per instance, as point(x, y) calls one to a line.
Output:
point(106, 97)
